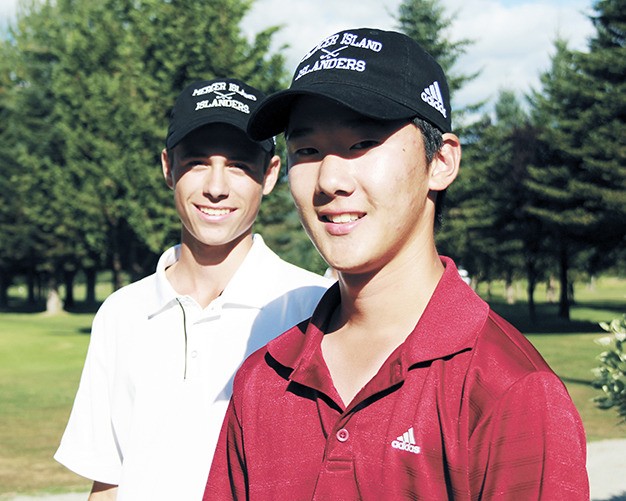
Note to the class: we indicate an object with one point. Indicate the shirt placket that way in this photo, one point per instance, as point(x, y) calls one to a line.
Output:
point(337, 478)
point(194, 328)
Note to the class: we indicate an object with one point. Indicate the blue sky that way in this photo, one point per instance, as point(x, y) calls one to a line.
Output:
point(513, 39)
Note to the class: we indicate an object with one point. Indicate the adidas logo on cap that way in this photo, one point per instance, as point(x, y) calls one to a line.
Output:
point(432, 95)
point(406, 442)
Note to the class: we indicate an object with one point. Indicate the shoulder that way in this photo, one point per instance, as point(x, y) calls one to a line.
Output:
point(126, 303)
point(272, 361)
point(503, 358)
point(131, 292)
point(508, 381)
point(504, 342)
point(253, 380)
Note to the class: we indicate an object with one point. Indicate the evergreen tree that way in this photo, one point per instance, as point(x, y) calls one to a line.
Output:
point(552, 179)
point(88, 108)
point(599, 133)
point(487, 226)
point(581, 181)
point(37, 195)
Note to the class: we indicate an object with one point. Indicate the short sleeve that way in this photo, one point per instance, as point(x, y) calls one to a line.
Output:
point(537, 447)
point(88, 446)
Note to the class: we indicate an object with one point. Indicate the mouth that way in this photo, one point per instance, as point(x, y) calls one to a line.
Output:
point(346, 217)
point(211, 211)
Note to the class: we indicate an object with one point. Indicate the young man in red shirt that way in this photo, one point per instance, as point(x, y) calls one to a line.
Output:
point(403, 384)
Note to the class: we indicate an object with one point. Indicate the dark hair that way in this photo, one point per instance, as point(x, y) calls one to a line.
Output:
point(433, 141)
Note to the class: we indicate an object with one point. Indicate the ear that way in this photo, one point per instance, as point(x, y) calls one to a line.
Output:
point(168, 172)
point(445, 166)
point(271, 175)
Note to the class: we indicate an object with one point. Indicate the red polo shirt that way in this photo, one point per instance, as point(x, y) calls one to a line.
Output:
point(465, 408)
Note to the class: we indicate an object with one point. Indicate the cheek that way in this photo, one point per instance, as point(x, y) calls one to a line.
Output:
point(301, 185)
point(246, 188)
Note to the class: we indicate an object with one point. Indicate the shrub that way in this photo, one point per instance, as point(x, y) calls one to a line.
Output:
point(611, 374)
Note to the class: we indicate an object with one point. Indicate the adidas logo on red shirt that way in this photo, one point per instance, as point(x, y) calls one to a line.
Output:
point(406, 442)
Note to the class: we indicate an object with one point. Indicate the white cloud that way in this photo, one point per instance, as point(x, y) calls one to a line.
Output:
point(513, 43)
point(7, 10)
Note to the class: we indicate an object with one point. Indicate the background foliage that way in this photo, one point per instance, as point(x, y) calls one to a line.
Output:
point(611, 373)
point(85, 92)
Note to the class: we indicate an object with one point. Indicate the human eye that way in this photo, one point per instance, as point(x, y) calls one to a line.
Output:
point(305, 152)
point(188, 164)
point(243, 167)
point(191, 161)
point(301, 150)
point(239, 165)
point(365, 144)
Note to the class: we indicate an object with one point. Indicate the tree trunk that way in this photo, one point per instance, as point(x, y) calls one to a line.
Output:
point(5, 281)
point(531, 277)
point(68, 279)
point(564, 292)
point(30, 285)
point(90, 282)
point(570, 292)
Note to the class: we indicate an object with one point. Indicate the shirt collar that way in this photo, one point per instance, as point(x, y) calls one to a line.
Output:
point(165, 293)
point(238, 292)
point(451, 321)
point(449, 325)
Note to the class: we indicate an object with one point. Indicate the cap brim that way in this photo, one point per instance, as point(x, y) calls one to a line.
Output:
point(272, 115)
point(215, 118)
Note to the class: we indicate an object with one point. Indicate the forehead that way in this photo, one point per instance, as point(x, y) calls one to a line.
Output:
point(222, 139)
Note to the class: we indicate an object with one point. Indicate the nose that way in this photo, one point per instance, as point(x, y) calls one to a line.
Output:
point(216, 186)
point(334, 177)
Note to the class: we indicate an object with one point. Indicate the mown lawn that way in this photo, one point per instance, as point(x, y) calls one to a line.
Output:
point(41, 359)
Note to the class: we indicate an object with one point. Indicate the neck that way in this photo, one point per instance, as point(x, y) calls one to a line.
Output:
point(203, 272)
point(390, 300)
point(378, 311)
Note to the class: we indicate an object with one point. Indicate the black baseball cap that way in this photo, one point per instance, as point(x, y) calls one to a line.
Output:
point(384, 75)
point(223, 100)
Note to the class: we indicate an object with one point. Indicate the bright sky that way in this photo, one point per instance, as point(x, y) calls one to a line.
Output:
point(513, 38)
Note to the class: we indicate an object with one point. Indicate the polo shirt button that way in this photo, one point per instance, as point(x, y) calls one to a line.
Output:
point(194, 354)
point(343, 435)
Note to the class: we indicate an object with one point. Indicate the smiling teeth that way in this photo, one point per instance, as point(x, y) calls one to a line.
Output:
point(343, 218)
point(214, 212)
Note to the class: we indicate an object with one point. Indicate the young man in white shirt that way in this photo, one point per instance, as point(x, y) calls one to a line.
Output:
point(164, 350)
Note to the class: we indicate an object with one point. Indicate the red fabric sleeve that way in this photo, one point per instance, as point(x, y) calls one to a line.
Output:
point(537, 447)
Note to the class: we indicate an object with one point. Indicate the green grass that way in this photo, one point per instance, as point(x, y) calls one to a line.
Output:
point(41, 359)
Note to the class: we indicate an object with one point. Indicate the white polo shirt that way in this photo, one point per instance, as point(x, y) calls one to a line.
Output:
point(159, 371)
